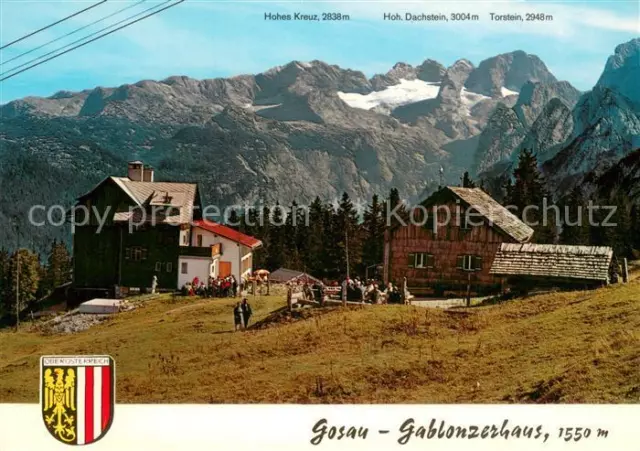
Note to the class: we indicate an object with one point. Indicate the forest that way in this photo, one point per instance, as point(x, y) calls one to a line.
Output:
point(327, 240)
point(320, 245)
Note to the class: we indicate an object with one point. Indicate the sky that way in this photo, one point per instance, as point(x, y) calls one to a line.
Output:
point(222, 38)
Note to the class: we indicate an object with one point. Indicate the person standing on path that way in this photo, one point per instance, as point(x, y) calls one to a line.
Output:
point(246, 312)
point(234, 286)
point(237, 316)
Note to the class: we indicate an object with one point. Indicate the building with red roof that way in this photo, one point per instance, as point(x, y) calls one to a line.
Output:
point(231, 252)
point(150, 233)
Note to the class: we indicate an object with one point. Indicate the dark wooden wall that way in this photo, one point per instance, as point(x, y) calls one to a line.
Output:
point(446, 244)
point(99, 258)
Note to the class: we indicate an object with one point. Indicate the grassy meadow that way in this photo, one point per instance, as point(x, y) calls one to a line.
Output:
point(564, 347)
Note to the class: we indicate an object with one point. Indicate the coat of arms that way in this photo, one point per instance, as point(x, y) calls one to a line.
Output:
point(77, 397)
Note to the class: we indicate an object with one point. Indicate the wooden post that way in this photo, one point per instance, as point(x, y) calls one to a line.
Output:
point(344, 293)
point(405, 291)
point(289, 300)
point(17, 280)
point(625, 270)
point(253, 287)
point(268, 286)
point(346, 237)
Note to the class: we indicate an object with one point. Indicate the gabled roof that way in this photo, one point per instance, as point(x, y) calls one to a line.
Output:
point(551, 260)
point(497, 215)
point(286, 275)
point(228, 233)
point(183, 198)
point(144, 191)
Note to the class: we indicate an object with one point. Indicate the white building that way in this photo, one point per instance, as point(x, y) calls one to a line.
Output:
point(224, 252)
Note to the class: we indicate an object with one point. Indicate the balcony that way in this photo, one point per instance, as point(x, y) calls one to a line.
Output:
point(194, 251)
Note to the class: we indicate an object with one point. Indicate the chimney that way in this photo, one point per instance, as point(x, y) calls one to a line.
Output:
point(148, 174)
point(136, 171)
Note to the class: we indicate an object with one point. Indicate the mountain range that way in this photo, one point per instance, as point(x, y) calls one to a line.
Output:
point(313, 129)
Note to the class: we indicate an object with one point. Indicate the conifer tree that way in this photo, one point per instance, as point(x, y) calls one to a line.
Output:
point(28, 282)
point(527, 194)
point(290, 239)
point(575, 227)
point(5, 283)
point(276, 232)
point(58, 269)
point(301, 229)
point(620, 236)
point(315, 243)
point(347, 236)
point(635, 231)
point(250, 224)
point(373, 230)
point(466, 181)
point(390, 205)
point(331, 247)
point(234, 221)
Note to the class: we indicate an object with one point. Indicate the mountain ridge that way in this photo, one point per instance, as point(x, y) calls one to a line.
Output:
point(290, 133)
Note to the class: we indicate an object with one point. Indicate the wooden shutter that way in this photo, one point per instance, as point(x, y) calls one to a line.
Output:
point(127, 253)
point(411, 260)
point(460, 261)
point(477, 262)
point(430, 260)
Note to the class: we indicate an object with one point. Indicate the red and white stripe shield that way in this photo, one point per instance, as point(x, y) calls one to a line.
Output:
point(77, 397)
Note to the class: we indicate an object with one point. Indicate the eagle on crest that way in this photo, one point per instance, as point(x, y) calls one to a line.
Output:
point(59, 402)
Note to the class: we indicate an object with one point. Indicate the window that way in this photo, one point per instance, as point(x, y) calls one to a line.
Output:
point(421, 260)
point(199, 241)
point(246, 263)
point(185, 238)
point(158, 266)
point(469, 262)
point(169, 266)
point(184, 269)
point(137, 254)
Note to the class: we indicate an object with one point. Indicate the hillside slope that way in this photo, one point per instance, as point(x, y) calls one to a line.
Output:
point(562, 347)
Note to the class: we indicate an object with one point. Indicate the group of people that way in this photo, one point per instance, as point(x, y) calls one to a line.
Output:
point(369, 291)
point(216, 287)
point(241, 314)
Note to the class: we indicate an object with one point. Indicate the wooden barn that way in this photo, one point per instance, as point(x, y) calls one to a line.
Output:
point(441, 257)
point(528, 266)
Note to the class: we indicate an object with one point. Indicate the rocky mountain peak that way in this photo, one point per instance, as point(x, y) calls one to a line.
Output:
point(298, 78)
point(275, 132)
point(399, 71)
point(622, 71)
point(454, 80)
point(535, 95)
point(508, 70)
point(430, 71)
